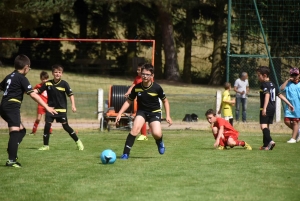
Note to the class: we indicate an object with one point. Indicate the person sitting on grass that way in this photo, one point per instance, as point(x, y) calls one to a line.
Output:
point(148, 94)
point(223, 132)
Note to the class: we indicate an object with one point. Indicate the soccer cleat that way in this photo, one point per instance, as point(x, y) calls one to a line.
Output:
point(142, 138)
point(263, 148)
point(13, 164)
point(124, 156)
point(271, 145)
point(247, 146)
point(161, 147)
point(44, 148)
point(220, 147)
point(291, 141)
point(80, 145)
point(32, 133)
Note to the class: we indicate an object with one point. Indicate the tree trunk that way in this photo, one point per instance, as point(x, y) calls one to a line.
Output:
point(216, 77)
point(55, 52)
point(188, 47)
point(171, 63)
point(158, 47)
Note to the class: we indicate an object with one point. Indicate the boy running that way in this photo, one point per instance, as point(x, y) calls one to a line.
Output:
point(57, 89)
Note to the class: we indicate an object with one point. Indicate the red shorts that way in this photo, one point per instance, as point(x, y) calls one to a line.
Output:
point(291, 119)
point(41, 110)
point(234, 136)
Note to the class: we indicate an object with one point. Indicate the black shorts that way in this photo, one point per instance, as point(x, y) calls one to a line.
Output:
point(268, 119)
point(149, 116)
point(11, 115)
point(60, 117)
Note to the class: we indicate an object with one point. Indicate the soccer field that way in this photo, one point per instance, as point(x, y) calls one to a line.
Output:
point(191, 169)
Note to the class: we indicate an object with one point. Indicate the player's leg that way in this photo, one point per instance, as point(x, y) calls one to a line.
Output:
point(48, 121)
point(222, 143)
point(22, 132)
point(295, 128)
point(139, 121)
point(40, 112)
point(268, 143)
point(154, 120)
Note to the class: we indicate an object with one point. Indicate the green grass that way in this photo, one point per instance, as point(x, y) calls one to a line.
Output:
point(190, 169)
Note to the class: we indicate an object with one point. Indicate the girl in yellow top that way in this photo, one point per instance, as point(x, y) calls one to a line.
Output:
point(226, 103)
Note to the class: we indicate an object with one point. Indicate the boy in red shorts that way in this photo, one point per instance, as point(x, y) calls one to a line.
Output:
point(40, 109)
point(224, 133)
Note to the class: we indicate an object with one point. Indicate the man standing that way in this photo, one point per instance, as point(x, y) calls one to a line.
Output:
point(241, 87)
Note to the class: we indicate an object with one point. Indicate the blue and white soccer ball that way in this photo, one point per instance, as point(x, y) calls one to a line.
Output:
point(108, 156)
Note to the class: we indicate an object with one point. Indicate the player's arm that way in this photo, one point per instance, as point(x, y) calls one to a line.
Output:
point(40, 101)
point(291, 107)
point(220, 134)
point(72, 99)
point(129, 90)
point(247, 90)
point(282, 87)
point(266, 102)
point(167, 111)
point(124, 107)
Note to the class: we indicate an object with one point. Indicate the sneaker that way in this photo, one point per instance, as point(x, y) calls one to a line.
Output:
point(291, 141)
point(161, 147)
point(13, 164)
point(263, 148)
point(142, 138)
point(124, 156)
point(220, 147)
point(271, 145)
point(247, 146)
point(80, 145)
point(44, 148)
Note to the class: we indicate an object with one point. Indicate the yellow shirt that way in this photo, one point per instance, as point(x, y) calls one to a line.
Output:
point(226, 107)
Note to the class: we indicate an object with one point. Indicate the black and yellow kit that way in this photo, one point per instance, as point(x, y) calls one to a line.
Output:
point(268, 88)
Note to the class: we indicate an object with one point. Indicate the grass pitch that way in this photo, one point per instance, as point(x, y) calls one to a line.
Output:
point(191, 169)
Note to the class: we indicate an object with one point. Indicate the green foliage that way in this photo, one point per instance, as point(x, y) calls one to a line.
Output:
point(191, 169)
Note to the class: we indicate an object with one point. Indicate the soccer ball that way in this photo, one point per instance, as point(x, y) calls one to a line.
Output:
point(108, 156)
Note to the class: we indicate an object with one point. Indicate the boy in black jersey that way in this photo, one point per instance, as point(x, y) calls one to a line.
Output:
point(268, 92)
point(148, 94)
point(14, 86)
point(57, 89)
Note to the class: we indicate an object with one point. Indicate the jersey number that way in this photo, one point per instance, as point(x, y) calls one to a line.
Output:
point(8, 83)
point(272, 94)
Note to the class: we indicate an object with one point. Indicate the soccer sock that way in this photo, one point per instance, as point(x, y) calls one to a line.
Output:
point(22, 134)
point(13, 144)
point(71, 132)
point(50, 129)
point(158, 141)
point(35, 126)
point(267, 136)
point(144, 130)
point(129, 143)
point(239, 143)
point(46, 135)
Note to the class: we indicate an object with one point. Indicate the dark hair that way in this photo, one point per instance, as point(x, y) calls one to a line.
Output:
point(57, 67)
point(44, 75)
point(21, 61)
point(148, 67)
point(227, 85)
point(140, 65)
point(264, 70)
point(210, 111)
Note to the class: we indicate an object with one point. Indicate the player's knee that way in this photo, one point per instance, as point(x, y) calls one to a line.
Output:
point(67, 128)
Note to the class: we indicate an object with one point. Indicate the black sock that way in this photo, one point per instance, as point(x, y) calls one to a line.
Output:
point(129, 143)
point(13, 144)
point(22, 134)
point(71, 132)
point(231, 121)
point(46, 135)
point(158, 141)
point(267, 136)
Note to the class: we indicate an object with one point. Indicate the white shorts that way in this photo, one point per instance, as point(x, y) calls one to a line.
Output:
point(228, 117)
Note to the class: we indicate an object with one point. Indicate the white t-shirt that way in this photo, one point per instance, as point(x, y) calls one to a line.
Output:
point(241, 86)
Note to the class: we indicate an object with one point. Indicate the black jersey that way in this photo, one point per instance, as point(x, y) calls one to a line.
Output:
point(57, 94)
point(268, 88)
point(14, 86)
point(147, 97)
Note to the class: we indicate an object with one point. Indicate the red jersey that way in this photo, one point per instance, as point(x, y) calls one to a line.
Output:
point(137, 80)
point(43, 95)
point(228, 129)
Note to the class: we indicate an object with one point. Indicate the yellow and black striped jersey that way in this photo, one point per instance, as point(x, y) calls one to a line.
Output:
point(147, 97)
point(57, 94)
point(14, 86)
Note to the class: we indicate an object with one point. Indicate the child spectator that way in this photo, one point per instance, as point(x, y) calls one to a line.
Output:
point(40, 109)
point(226, 104)
point(292, 93)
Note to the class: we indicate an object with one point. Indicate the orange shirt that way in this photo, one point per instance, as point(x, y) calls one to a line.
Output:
point(43, 95)
point(228, 128)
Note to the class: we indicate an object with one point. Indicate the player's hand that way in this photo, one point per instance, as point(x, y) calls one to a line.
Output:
point(74, 109)
point(169, 120)
point(291, 108)
point(264, 112)
point(51, 110)
point(216, 144)
point(118, 117)
point(126, 95)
